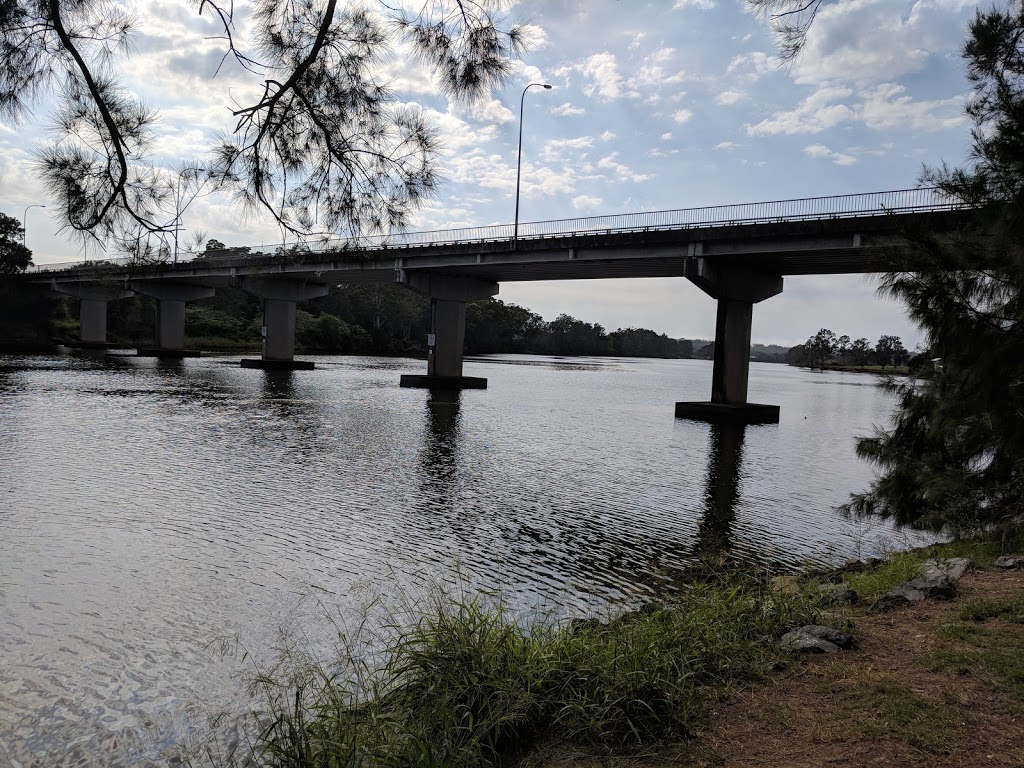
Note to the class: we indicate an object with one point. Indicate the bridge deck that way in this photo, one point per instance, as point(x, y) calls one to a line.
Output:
point(837, 235)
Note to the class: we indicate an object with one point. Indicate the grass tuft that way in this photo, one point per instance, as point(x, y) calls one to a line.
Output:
point(469, 685)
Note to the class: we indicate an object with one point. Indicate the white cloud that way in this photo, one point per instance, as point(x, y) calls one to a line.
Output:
point(865, 41)
point(703, 5)
point(635, 42)
point(667, 136)
point(603, 72)
point(727, 146)
point(622, 173)
point(682, 116)
point(652, 71)
point(821, 151)
point(561, 149)
point(883, 107)
point(607, 136)
point(752, 66)
point(888, 106)
point(817, 113)
point(586, 203)
point(567, 109)
point(728, 98)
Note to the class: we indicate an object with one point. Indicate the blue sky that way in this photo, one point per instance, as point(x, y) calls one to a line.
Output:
point(655, 105)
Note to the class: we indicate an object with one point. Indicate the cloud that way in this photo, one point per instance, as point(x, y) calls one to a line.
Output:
point(727, 146)
point(888, 106)
point(567, 109)
point(561, 149)
point(622, 173)
point(883, 107)
point(821, 151)
point(682, 116)
point(703, 5)
point(728, 98)
point(667, 136)
point(607, 136)
point(586, 203)
point(752, 66)
point(603, 72)
point(652, 70)
point(815, 114)
point(867, 41)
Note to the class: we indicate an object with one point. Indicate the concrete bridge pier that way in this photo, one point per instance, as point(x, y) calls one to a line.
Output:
point(170, 314)
point(446, 342)
point(279, 304)
point(92, 308)
point(737, 289)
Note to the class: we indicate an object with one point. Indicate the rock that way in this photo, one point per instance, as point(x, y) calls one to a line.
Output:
point(815, 638)
point(1009, 562)
point(937, 587)
point(834, 594)
point(853, 565)
point(786, 584)
point(952, 568)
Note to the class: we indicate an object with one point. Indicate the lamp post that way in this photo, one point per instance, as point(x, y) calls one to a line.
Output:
point(24, 221)
point(519, 158)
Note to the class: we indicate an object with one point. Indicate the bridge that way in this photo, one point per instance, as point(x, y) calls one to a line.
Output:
point(737, 254)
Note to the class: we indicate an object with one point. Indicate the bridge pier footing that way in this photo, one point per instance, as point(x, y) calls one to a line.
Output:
point(92, 309)
point(446, 342)
point(280, 298)
point(170, 315)
point(737, 289)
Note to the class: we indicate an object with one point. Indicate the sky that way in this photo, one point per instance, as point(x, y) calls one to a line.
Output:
point(654, 106)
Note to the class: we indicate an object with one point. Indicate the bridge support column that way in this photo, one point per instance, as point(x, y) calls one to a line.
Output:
point(737, 289)
point(170, 314)
point(446, 342)
point(92, 309)
point(279, 300)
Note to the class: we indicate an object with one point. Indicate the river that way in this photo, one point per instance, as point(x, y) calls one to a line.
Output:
point(164, 526)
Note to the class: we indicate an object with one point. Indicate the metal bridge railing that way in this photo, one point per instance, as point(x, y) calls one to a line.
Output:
point(902, 201)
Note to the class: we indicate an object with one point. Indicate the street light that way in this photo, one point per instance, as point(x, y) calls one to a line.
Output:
point(24, 221)
point(519, 157)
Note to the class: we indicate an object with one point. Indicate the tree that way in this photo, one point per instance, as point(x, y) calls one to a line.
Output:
point(14, 256)
point(820, 347)
point(953, 458)
point(890, 351)
point(843, 348)
point(861, 352)
point(323, 147)
point(790, 21)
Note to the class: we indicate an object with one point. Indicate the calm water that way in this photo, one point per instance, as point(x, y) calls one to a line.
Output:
point(148, 510)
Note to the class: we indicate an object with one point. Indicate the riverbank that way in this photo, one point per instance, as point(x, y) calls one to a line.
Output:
point(696, 680)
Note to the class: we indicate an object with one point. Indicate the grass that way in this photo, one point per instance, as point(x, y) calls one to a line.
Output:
point(469, 685)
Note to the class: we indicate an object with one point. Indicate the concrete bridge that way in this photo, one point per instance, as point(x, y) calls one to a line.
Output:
point(738, 254)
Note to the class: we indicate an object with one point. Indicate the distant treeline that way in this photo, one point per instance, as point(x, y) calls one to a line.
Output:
point(826, 350)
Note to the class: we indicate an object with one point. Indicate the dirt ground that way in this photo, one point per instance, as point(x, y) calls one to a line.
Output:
point(933, 684)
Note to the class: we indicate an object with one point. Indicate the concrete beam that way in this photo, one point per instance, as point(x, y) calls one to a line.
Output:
point(446, 287)
point(92, 307)
point(731, 282)
point(282, 290)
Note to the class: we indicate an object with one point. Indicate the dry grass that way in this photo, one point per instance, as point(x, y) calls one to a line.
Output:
point(936, 684)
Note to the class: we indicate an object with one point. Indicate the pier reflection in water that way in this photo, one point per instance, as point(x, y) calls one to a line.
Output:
point(722, 492)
